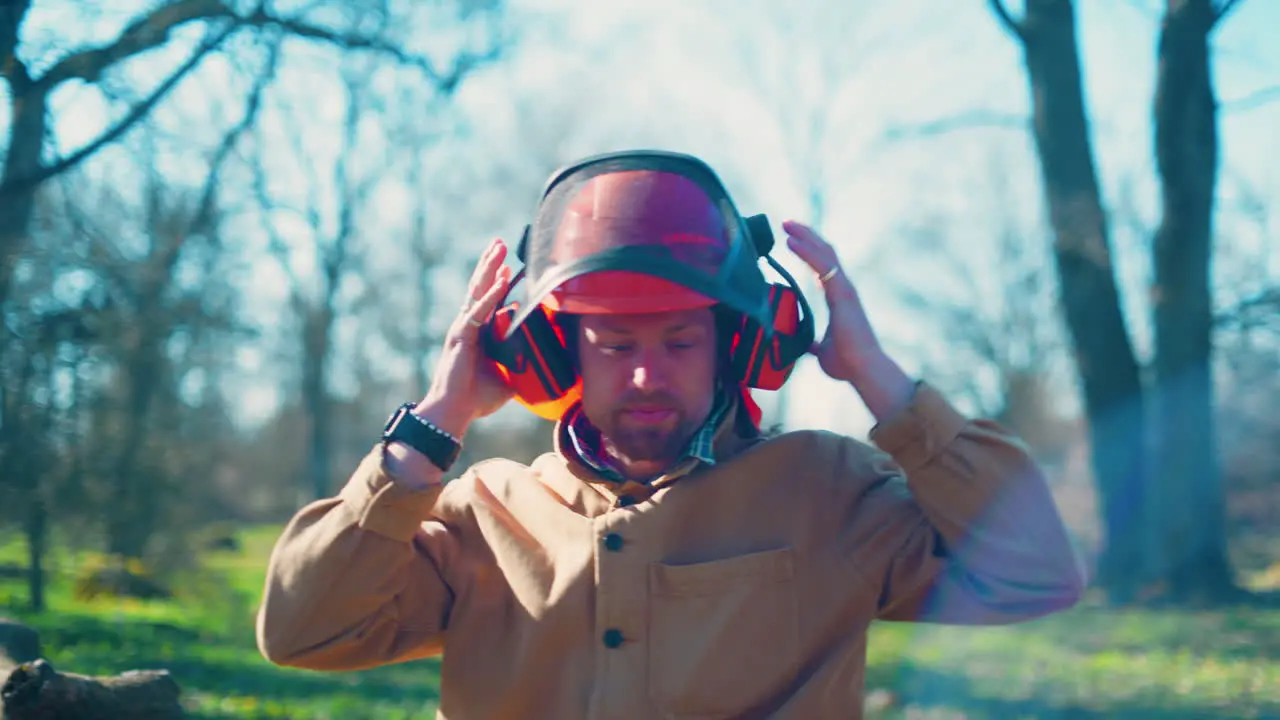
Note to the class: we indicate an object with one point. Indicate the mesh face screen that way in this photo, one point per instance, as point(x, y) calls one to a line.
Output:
point(661, 214)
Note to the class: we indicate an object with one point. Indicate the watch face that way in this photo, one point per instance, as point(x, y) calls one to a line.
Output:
point(398, 414)
point(405, 427)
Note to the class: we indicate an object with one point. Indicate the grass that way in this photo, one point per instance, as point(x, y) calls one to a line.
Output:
point(1087, 663)
point(204, 637)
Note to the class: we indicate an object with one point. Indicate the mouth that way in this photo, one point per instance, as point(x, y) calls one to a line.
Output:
point(649, 416)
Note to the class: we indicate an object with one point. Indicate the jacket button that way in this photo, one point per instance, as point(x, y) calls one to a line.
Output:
point(613, 542)
point(626, 501)
point(612, 638)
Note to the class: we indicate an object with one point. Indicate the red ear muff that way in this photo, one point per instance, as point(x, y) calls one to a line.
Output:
point(534, 361)
point(763, 357)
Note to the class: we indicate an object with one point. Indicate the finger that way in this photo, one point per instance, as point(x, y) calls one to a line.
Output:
point(807, 236)
point(825, 265)
point(805, 242)
point(806, 253)
point(483, 276)
point(482, 311)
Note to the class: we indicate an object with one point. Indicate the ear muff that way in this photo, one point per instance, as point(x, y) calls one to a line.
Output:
point(763, 357)
point(534, 361)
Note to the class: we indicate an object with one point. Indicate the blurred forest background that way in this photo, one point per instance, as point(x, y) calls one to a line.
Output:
point(233, 231)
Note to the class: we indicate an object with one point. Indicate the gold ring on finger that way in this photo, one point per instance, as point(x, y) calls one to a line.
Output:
point(824, 277)
point(474, 322)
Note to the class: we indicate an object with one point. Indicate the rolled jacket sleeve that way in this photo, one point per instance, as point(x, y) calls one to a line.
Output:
point(967, 526)
point(358, 580)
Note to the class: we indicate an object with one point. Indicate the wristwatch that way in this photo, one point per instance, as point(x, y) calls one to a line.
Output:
point(440, 447)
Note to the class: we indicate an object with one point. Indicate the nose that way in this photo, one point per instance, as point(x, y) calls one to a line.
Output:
point(648, 373)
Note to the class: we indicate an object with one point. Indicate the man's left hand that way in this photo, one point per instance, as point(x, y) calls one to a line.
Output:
point(849, 350)
point(849, 345)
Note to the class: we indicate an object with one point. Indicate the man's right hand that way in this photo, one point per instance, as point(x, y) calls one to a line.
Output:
point(465, 385)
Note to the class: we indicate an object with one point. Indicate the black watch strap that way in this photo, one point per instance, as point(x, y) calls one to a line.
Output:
point(440, 447)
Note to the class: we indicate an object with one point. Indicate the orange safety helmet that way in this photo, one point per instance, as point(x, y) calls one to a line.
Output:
point(633, 207)
point(639, 232)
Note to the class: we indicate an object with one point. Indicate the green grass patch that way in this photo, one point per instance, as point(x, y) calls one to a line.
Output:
point(1088, 663)
point(204, 635)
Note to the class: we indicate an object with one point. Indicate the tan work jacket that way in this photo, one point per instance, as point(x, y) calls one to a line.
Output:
point(743, 589)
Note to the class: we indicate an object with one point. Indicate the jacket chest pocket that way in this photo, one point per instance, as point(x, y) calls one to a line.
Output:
point(723, 635)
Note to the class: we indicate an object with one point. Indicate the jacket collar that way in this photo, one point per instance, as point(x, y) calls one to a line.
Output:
point(719, 438)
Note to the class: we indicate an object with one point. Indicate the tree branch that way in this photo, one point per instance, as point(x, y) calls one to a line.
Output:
point(11, 68)
point(1223, 10)
point(971, 120)
point(1006, 18)
point(275, 242)
point(446, 81)
point(111, 134)
point(205, 210)
point(153, 30)
point(146, 33)
point(1251, 101)
point(336, 256)
point(1265, 304)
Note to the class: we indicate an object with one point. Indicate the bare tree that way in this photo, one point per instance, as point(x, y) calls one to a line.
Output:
point(1249, 294)
point(40, 348)
point(404, 319)
point(313, 297)
point(25, 163)
point(71, 241)
point(1192, 515)
point(987, 293)
point(332, 267)
point(804, 68)
point(1184, 524)
point(1090, 299)
point(1247, 370)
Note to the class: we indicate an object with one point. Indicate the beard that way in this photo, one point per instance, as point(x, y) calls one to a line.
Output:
point(647, 444)
point(634, 442)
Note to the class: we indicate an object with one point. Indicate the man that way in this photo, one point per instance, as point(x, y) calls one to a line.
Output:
point(666, 560)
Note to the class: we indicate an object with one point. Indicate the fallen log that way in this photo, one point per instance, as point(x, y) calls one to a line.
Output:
point(18, 644)
point(34, 690)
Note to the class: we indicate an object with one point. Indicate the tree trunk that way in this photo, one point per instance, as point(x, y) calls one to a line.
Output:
point(132, 518)
point(425, 260)
point(317, 328)
point(1105, 359)
point(36, 528)
point(1186, 149)
point(29, 124)
point(23, 455)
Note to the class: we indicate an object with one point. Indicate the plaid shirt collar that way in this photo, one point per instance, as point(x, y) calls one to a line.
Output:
point(585, 441)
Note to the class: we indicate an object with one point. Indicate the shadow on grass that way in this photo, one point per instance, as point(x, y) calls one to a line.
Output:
point(921, 688)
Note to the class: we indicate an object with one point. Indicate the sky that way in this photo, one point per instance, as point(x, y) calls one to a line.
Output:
point(822, 98)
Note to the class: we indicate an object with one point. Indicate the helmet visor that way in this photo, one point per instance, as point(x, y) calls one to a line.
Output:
point(663, 215)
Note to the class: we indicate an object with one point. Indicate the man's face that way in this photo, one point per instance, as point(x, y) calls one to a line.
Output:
point(648, 382)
